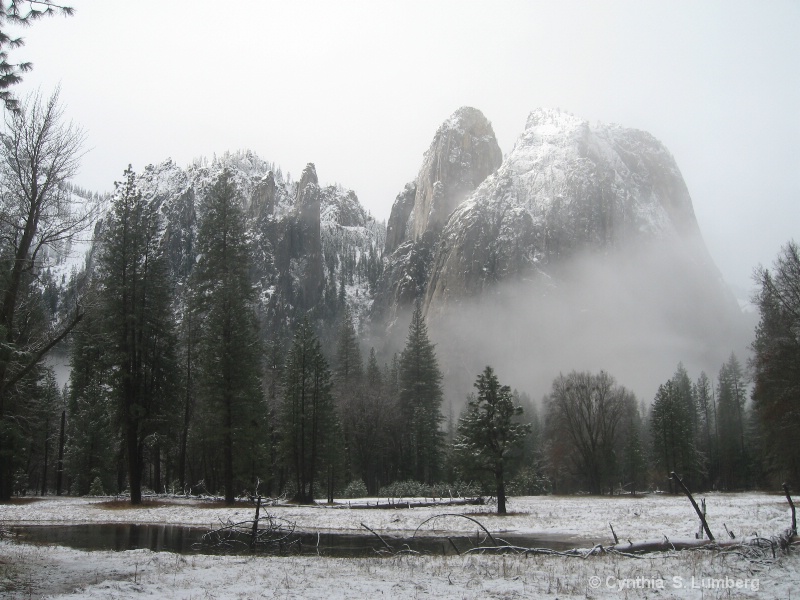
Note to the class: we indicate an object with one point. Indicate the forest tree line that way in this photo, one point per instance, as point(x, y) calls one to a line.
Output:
point(179, 390)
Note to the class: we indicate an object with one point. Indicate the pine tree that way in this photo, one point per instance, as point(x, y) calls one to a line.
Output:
point(137, 323)
point(707, 435)
point(273, 388)
point(350, 398)
point(731, 399)
point(673, 425)
point(420, 400)
point(92, 416)
point(776, 364)
point(488, 433)
point(349, 369)
point(671, 432)
point(634, 457)
point(23, 13)
point(229, 354)
point(380, 417)
point(308, 416)
point(44, 430)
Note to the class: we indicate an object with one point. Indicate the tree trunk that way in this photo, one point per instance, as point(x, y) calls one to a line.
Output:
point(157, 468)
point(60, 467)
point(134, 464)
point(46, 455)
point(184, 441)
point(501, 490)
point(228, 443)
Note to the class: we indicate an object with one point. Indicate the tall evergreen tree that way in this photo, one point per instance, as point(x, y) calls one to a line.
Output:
point(776, 363)
point(488, 433)
point(308, 416)
point(273, 390)
point(229, 354)
point(44, 431)
point(137, 321)
point(707, 434)
point(420, 399)
point(349, 368)
point(350, 397)
point(378, 433)
point(673, 425)
point(634, 457)
point(734, 459)
point(92, 415)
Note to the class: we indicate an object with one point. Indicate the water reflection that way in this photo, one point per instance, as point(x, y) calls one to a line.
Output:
point(188, 540)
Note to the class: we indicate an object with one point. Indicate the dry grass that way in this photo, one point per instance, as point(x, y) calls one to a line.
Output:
point(22, 500)
point(126, 504)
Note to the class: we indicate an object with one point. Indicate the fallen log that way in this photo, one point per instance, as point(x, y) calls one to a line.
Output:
point(395, 504)
point(667, 545)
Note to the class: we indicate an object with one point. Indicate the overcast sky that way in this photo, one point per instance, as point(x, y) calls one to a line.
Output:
point(359, 88)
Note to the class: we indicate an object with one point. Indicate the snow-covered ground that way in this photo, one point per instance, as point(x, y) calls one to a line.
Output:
point(586, 517)
point(36, 571)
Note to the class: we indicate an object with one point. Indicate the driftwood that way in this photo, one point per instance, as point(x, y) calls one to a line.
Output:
point(794, 514)
point(694, 504)
point(614, 533)
point(478, 523)
point(263, 533)
point(752, 548)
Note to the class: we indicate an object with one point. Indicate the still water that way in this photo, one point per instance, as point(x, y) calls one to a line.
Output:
point(188, 540)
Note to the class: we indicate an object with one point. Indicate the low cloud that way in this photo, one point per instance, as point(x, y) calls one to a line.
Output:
point(635, 315)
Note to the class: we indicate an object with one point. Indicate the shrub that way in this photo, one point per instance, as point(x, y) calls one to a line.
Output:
point(528, 483)
point(96, 489)
point(355, 489)
point(416, 489)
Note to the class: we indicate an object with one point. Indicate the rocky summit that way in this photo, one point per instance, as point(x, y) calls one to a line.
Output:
point(566, 189)
point(463, 153)
point(580, 248)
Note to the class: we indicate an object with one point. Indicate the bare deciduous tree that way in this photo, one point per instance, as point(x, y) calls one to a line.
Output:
point(588, 411)
point(39, 153)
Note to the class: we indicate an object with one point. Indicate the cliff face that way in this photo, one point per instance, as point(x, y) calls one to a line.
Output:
point(304, 236)
point(305, 243)
point(567, 189)
point(397, 227)
point(581, 251)
point(464, 151)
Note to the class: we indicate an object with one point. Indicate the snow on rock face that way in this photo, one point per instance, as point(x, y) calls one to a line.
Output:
point(580, 252)
point(397, 228)
point(306, 243)
point(566, 188)
point(623, 182)
point(296, 229)
point(343, 208)
point(463, 153)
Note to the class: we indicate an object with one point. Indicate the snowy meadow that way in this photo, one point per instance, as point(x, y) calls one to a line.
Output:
point(31, 571)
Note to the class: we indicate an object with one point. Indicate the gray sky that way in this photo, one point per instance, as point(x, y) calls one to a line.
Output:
point(359, 89)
